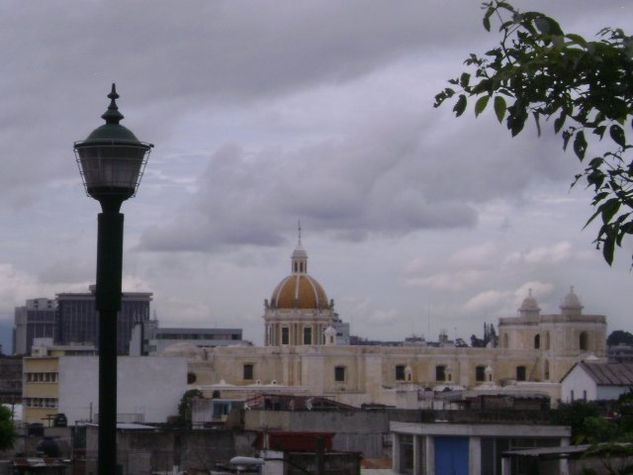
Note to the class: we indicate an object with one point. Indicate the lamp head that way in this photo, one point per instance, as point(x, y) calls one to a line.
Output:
point(111, 160)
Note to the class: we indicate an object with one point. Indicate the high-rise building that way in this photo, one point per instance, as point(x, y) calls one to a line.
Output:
point(77, 318)
point(36, 319)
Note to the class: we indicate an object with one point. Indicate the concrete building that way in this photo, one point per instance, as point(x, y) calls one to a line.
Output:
point(466, 449)
point(72, 318)
point(142, 449)
point(35, 319)
point(621, 353)
point(10, 380)
point(77, 318)
point(155, 339)
point(597, 380)
point(149, 389)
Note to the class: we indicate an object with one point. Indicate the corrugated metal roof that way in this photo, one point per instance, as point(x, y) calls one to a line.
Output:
point(609, 374)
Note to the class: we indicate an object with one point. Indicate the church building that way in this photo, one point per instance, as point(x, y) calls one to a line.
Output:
point(307, 352)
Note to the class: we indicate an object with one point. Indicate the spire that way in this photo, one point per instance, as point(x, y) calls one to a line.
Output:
point(299, 257)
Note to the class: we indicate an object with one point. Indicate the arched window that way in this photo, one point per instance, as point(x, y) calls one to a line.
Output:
point(440, 373)
point(339, 374)
point(537, 342)
point(583, 341)
point(480, 373)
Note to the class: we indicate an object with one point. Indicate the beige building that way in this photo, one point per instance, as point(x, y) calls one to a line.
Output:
point(302, 354)
point(40, 373)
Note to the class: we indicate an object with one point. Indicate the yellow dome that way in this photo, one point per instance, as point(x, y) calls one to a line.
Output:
point(299, 290)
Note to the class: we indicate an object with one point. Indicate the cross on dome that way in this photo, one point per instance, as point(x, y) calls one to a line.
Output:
point(299, 259)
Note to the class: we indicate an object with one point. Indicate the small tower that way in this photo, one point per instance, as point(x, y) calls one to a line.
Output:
point(330, 336)
point(529, 308)
point(571, 306)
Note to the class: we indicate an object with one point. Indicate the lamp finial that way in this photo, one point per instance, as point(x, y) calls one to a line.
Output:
point(112, 115)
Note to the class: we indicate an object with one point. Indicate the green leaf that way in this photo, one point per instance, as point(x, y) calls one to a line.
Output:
point(460, 105)
point(609, 208)
point(580, 145)
point(579, 40)
point(486, 20)
point(566, 137)
point(516, 119)
point(547, 26)
point(617, 134)
point(481, 104)
point(599, 131)
point(559, 122)
point(500, 108)
point(542, 25)
point(464, 79)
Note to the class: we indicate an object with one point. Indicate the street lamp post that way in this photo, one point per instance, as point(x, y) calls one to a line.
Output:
point(111, 162)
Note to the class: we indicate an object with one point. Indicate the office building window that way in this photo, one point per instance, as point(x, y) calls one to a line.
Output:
point(48, 377)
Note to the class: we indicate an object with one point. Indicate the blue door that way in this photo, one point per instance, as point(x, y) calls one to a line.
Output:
point(451, 455)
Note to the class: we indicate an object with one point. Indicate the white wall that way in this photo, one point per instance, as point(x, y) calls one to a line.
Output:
point(150, 385)
point(578, 381)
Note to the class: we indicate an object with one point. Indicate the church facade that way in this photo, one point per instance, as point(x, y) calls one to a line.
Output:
point(304, 353)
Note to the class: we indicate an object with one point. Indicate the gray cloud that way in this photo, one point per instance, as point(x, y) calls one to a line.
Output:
point(170, 59)
point(263, 113)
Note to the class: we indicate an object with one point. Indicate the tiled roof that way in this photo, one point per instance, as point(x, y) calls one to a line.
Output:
point(609, 374)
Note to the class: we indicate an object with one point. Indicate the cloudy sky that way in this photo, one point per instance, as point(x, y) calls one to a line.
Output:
point(266, 112)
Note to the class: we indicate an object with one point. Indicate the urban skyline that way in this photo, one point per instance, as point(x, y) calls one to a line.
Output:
point(413, 221)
